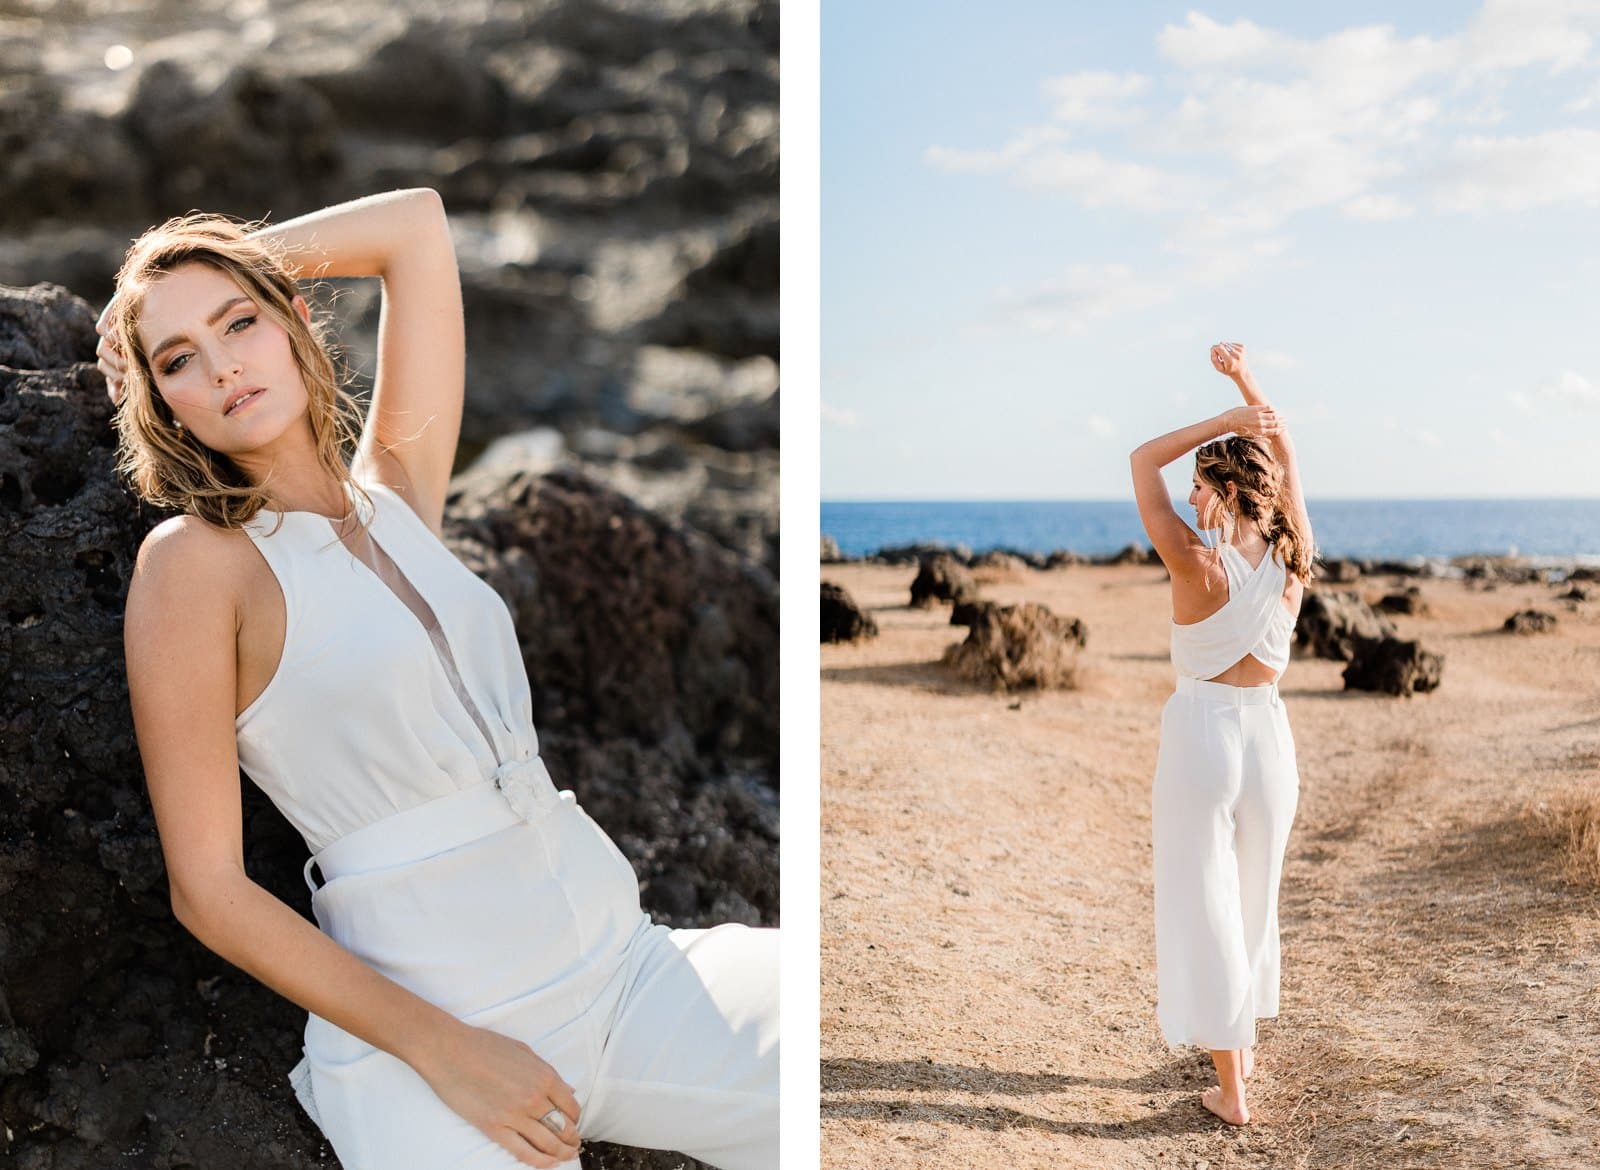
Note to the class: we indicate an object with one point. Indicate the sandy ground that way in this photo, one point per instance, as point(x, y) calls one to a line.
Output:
point(988, 982)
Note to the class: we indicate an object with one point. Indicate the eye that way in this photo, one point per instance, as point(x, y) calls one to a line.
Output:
point(177, 363)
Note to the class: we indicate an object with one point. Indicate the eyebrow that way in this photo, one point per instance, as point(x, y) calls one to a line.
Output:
point(211, 320)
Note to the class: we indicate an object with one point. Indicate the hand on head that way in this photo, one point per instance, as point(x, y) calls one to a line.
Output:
point(1258, 421)
point(111, 361)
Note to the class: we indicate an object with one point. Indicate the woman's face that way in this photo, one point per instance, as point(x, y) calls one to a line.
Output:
point(211, 340)
point(1204, 500)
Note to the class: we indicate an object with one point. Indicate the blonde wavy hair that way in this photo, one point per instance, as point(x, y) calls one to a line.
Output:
point(165, 464)
point(1248, 465)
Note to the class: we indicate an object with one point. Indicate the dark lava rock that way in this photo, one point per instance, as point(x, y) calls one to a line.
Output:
point(842, 619)
point(1509, 570)
point(252, 143)
point(423, 78)
point(652, 656)
point(82, 166)
point(1584, 573)
point(1395, 569)
point(1408, 600)
point(1331, 621)
point(1020, 646)
point(1339, 571)
point(942, 578)
point(1530, 621)
point(1392, 666)
point(965, 613)
point(1001, 561)
point(915, 554)
point(1064, 558)
point(1133, 554)
point(1576, 593)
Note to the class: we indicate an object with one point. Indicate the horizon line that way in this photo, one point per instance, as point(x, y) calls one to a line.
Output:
point(1131, 500)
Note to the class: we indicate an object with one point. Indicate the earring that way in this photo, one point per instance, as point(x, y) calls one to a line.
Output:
point(177, 424)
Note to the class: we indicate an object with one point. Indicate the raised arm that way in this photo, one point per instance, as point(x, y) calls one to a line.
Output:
point(417, 395)
point(1178, 545)
point(180, 642)
point(1228, 358)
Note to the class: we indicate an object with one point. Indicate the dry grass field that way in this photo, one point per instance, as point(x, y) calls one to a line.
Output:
point(988, 982)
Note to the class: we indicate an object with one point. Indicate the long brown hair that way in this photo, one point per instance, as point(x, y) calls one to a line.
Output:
point(1257, 477)
point(165, 464)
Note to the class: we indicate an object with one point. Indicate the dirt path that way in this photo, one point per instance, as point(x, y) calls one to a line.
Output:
point(988, 982)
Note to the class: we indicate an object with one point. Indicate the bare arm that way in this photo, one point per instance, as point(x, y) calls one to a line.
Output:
point(1229, 358)
point(180, 638)
point(1177, 544)
point(417, 396)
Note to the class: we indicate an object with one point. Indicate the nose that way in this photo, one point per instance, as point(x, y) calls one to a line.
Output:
point(226, 368)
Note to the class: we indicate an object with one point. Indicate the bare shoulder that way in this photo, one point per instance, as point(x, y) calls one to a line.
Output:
point(188, 565)
point(186, 545)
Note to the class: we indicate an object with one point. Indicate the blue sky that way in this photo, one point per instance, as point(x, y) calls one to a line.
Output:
point(1037, 217)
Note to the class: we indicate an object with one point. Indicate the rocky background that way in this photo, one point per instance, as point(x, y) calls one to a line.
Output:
point(611, 171)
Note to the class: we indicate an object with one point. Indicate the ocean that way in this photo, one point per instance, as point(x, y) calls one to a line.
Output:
point(1555, 530)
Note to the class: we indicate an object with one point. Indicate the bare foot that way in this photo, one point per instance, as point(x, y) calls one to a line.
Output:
point(1249, 1062)
point(1230, 1109)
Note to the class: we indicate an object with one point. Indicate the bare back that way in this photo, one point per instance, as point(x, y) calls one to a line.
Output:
point(1204, 590)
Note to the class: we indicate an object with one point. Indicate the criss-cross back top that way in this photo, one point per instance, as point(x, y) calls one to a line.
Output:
point(396, 685)
point(1252, 621)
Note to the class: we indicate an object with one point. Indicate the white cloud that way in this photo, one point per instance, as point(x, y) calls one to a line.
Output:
point(1510, 174)
point(1520, 400)
point(1087, 294)
point(1570, 388)
point(1025, 143)
point(1257, 127)
point(1100, 425)
point(1377, 208)
point(1094, 97)
point(1581, 103)
point(1509, 34)
point(1100, 182)
point(835, 416)
point(1427, 438)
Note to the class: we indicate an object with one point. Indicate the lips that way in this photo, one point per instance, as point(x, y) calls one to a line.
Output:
point(239, 396)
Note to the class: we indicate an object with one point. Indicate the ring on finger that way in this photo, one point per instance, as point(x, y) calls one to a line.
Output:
point(555, 1121)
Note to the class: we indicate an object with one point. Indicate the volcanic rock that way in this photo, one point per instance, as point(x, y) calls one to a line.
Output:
point(941, 577)
point(1022, 646)
point(1331, 621)
point(1408, 601)
point(1530, 621)
point(1340, 571)
point(1392, 666)
point(842, 619)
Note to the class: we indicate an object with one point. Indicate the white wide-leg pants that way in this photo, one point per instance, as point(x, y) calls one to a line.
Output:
point(1223, 801)
point(528, 923)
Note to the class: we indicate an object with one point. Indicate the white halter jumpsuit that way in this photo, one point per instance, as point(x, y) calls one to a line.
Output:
point(397, 736)
point(1224, 798)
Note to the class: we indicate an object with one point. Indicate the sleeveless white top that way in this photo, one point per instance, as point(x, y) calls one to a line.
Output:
point(1252, 621)
point(379, 704)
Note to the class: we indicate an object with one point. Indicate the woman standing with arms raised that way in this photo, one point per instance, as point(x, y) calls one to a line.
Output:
point(485, 987)
point(1226, 782)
